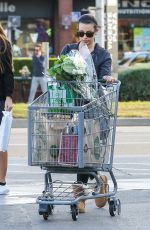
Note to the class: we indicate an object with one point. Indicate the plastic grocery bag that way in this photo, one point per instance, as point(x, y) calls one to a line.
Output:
point(5, 129)
point(91, 71)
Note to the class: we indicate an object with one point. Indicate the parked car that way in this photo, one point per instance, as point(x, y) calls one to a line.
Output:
point(133, 58)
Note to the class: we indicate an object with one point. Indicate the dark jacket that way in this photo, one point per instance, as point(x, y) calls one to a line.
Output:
point(7, 77)
point(101, 58)
point(37, 66)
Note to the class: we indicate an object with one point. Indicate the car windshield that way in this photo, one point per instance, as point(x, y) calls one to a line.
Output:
point(124, 60)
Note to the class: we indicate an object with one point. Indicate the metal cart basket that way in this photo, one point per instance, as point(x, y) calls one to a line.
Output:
point(71, 129)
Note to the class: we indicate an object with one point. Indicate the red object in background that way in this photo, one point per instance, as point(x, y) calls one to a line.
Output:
point(68, 149)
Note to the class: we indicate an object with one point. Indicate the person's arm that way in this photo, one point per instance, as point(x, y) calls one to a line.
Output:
point(8, 78)
point(104, 68)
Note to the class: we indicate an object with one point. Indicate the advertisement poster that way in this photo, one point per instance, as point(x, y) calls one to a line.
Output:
point(141, 38)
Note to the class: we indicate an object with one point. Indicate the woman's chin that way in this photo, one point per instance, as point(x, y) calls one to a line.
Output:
point(85, 43)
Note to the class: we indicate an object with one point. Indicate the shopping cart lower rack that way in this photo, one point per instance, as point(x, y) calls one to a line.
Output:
point(71, 130)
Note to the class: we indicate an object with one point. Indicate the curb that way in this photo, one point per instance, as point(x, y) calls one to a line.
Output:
point(22, 123)
point(133, 122)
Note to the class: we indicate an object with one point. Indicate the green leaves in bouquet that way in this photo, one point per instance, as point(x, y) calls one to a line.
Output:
point(68, 65)
point(68, 68)
point(56, 70)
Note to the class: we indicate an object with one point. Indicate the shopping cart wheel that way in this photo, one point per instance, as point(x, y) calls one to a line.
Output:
point(112, 207)
point(74, 212)
point(45, 210)
point(118, 207)
point(45, 216)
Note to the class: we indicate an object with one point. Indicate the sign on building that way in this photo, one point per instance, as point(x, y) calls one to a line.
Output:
point(134, 8)
point(14, 21)
point(111, 32)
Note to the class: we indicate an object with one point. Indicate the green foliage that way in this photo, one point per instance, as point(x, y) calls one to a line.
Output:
point(135, 84)
point(22, 61)
point(56, 70)
point(69, 68)
point(19, 63)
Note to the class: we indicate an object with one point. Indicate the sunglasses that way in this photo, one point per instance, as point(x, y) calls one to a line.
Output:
point(89, 34)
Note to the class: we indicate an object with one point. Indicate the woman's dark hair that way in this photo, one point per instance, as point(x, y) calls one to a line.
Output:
point(88, 19)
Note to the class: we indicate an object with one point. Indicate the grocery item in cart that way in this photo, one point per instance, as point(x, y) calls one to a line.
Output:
point(48, 134)
point(94, 149)
point(59, 95)
point(68, 149)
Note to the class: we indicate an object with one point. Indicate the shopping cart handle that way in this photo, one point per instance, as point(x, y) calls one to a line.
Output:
point(104, 82)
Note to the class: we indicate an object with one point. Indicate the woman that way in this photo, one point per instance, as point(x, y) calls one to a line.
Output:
point(87, 30)
point(6, 90)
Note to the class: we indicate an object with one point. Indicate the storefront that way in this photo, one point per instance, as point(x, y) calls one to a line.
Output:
point(29, 22)
point(133, 25)
point(26, 24)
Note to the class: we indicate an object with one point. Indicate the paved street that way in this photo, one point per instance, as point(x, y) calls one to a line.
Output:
point(132, 171)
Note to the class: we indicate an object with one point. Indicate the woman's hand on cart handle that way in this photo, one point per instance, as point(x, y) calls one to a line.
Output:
point(109, 79)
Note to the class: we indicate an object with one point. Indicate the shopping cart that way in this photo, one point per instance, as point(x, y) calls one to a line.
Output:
point(71, 129)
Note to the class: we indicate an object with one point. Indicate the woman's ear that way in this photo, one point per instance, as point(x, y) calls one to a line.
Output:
point(98, 28)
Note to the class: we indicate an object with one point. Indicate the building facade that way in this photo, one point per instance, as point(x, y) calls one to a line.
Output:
point(55, 21)
point(38, 21)
point(133, 25)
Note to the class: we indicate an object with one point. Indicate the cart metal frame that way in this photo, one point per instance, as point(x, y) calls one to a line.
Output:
point(41, 113)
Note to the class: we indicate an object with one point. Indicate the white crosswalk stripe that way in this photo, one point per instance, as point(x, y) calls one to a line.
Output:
point(26, 182)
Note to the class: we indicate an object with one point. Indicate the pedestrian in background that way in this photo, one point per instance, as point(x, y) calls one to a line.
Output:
point(6, 91)
point(87, 30)
point(37, 73)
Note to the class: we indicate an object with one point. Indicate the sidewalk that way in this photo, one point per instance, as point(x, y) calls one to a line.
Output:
point(22, 123)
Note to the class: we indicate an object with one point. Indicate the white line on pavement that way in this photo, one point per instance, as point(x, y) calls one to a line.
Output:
point(21, 194)
point(10, 144)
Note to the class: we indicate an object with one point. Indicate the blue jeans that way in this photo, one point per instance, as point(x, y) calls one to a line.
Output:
point(36, 81)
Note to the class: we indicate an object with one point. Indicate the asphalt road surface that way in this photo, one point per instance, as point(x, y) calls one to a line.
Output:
point(131, 167)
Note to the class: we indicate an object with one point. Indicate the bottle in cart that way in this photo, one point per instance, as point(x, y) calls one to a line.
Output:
point(67, 128)
point(75, 129)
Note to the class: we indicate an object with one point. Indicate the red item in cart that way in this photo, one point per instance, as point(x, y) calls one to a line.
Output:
point(68, 149)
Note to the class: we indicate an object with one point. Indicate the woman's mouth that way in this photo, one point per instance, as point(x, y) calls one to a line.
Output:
point(85, 41)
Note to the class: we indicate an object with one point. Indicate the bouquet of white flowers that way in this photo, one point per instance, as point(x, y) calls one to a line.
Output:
point(70, 67)
point(78, 68)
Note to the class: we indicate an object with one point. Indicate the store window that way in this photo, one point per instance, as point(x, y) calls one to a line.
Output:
point(27, 23)
point(32, 31)
point(126, 35)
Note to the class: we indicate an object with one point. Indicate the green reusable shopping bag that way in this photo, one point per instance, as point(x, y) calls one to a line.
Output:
point(60, 96)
